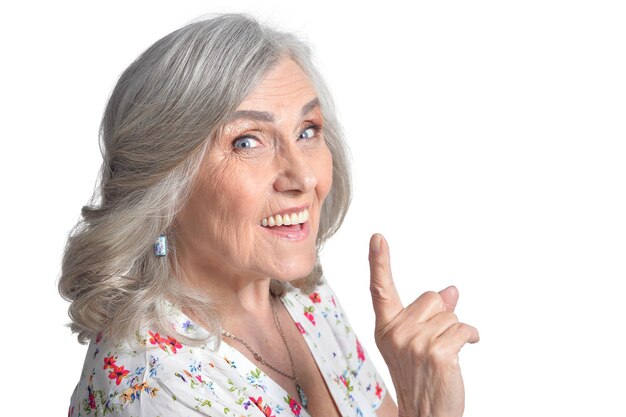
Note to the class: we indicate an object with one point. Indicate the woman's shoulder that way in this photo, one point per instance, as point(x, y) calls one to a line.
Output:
point(119, 377)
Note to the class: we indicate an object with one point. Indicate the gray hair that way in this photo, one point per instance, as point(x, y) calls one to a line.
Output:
point(161, 116)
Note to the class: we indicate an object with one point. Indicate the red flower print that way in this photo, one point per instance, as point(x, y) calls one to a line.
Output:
point(379, 390)
point(299, 326)
point(359, 351)
point(164, 342)
point(295, 406)
point(315, 297)
point(173, 344)
point(333, 300)
point(156, 339)
point(109, 362)
point(267, 411)
point(308, 313)
point(310, 316)
point(99, 337)
point(343, 380)
point(118, 373)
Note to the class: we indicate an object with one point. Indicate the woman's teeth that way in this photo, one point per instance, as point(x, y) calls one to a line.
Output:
point(286, 219)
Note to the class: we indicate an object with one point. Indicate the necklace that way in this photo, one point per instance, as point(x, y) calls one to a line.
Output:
point(301, 396)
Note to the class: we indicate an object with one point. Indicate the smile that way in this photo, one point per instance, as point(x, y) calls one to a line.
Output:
point(286, 219)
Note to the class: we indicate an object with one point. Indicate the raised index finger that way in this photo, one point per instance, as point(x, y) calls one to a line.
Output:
point(385, 298)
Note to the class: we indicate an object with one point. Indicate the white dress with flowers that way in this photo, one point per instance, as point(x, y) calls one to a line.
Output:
point(166, 378)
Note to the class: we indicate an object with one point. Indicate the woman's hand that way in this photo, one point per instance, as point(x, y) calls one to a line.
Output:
point(420, 343)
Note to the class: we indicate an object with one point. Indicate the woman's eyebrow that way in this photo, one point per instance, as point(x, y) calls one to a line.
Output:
point(310, 106)
point(264, 116)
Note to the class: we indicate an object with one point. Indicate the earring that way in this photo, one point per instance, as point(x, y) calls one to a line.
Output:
point(160, 246)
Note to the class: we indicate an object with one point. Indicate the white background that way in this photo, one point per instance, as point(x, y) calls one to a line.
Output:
point(488, 143)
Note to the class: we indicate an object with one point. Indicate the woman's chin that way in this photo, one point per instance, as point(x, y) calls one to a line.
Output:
point(291, 271)
point(294, 276)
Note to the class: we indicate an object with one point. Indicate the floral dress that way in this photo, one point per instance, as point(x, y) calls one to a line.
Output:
point(167, 378)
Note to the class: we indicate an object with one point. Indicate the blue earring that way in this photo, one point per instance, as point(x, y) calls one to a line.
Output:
point(160, 246)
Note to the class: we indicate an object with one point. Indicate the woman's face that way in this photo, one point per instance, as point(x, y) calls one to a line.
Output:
point(269, 164)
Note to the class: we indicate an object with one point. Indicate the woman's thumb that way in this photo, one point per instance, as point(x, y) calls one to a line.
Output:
point(385, 298)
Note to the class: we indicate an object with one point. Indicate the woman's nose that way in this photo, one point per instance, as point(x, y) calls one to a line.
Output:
point(295, 172)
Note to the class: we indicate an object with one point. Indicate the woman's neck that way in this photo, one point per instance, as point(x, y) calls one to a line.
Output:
point(242, 300)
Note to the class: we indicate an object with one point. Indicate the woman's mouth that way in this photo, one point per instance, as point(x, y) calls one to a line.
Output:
point(293, 226)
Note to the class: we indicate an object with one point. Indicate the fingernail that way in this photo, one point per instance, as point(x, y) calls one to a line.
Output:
point(376, 243)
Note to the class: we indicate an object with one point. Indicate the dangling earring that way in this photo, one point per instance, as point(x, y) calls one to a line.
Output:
point(160, 246)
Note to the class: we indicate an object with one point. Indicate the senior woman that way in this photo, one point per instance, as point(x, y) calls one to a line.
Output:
point(221, 144)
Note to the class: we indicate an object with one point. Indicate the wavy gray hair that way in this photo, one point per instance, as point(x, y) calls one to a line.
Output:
point(153, 135)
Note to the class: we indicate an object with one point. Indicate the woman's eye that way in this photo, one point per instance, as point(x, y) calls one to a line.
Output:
point(245, 142)
point(308, 133)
